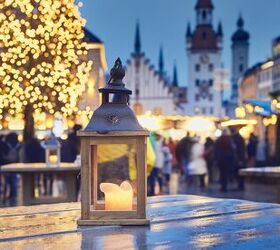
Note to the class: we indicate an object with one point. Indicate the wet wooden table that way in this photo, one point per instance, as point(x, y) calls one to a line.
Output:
point(28, 171)
point(177, 222)
point(262, 183)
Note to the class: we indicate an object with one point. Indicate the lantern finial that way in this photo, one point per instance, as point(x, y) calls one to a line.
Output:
point(117, 73)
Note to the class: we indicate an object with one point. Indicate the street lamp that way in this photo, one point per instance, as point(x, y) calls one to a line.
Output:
point(108, 195)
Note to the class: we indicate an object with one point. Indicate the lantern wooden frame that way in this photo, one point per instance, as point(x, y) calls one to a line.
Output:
point(89, 185)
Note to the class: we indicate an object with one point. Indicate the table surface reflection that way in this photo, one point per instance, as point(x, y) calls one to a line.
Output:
point(177, 222)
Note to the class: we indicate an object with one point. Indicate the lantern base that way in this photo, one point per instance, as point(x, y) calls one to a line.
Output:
point(116, 222)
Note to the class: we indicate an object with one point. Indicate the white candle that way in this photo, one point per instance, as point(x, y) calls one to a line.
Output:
point(118, 198)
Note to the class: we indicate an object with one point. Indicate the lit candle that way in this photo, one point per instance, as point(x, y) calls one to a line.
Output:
point(53, 158)
point(117, 197)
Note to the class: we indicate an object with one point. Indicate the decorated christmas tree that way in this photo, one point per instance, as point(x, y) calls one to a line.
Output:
point(42, 59)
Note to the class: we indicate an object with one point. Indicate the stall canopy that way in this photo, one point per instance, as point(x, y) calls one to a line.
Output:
point(262, 108)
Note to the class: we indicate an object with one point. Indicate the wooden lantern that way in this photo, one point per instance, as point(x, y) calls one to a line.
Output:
point(52, 151)
point(109, 194)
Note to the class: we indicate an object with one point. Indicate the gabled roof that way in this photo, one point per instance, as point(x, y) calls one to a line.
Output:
point(90, 37)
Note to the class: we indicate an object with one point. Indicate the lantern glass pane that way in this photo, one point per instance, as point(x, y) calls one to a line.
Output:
point(115, 185)
point(53, 156)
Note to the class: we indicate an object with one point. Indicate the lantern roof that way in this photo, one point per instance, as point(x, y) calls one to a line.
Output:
point(114, 114)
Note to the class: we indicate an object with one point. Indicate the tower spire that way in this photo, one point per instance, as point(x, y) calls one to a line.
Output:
point(240, 22)
point(137, 42)
point(161, 61)
point(189, 30)
point(175, 77)
point(220, 29)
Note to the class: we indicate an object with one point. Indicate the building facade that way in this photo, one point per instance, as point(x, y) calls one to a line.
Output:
point(96, 53)
point(152, 91)
point(264, 80)
point(204, 46)
point(248, 88)
point(276, 65)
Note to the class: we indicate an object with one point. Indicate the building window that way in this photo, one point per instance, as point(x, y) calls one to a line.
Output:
point(196, 97)
point(203, 111)
point(241, 68)
point(196, 110)
point(210, 82)
point(204, 15)
point(204, 35)
point(196, 82)
point(211, 67)
point(210, 97)
point(197, 67)
point(211, 110)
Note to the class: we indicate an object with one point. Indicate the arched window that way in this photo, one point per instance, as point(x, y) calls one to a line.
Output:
point(204, 15)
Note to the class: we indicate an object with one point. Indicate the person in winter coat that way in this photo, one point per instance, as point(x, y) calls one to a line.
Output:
point(252, 150)
point(71, 146)
point(183, 152)
point(172, 148)
point(224, 157)
point(197, 167)
point(167, 162)
point(209, 157)
point(3, 152)
point(240, 157)
point(12, 157)
point(156, 174)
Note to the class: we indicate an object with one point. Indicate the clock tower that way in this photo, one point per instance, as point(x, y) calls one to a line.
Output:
point(204, 46)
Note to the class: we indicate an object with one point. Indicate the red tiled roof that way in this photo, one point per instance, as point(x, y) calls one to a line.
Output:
point(204, 37)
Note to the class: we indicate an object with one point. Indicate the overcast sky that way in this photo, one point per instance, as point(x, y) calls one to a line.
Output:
point(163, 22)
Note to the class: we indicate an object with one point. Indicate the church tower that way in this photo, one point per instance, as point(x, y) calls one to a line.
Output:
point(240, 57)
point(204, 45)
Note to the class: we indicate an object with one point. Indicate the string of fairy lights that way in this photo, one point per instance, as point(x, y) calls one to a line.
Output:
point(42, 57)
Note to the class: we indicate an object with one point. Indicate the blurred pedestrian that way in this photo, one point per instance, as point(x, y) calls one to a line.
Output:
point(167, 163)
point(3, 152)
point(209, 157)
point(183, 153)
point(224, 157)
point(71, 146)
point(172, 148)
point(12, 156)
point(252, 150)
point(240, 157)
point(197, 168)
point(32, 151)
point(155, 176)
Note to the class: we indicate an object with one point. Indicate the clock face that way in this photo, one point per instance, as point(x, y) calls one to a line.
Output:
point(204, 58)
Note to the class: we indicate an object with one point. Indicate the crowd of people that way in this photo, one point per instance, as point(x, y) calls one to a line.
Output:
point(188, 160)
point(31, 151)
point(199, 164)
